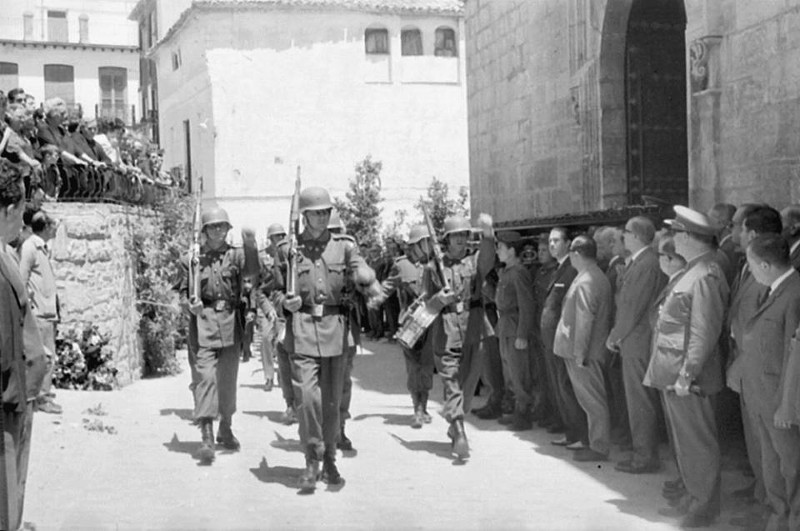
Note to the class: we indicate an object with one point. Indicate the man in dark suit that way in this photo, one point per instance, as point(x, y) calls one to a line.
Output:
point(791, 227)
point(722, 215)
point(686, 368)
point(573, 418)
point(745, 295)
point(631, 336)
point(766, 346)
point(579, 340)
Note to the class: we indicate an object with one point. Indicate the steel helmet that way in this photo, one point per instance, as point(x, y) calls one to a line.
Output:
point(456, 224)
point(335, 221)
point(215, 215)
point(417, 233)
point(276, 229)
point(314, 198)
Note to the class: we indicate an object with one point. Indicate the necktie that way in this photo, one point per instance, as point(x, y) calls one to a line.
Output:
point(764, 297)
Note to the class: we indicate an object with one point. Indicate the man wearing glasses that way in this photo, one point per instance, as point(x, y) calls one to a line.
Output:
point(686, 366)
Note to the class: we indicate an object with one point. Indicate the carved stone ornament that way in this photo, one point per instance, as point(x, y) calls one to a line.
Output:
point(701, 62)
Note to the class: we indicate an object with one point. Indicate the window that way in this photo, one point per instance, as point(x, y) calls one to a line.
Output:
point(176, 60)
point(9, 76)
point(27, 25)
point(376, 41)
point(411, 42)
point(59, 82)
point(57, 26)
point(445, 43)
point(113, 92)
point(153, 27)
point(83, 28)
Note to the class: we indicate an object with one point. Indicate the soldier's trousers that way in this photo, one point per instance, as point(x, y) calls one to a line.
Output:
point(493, 371)
point(285, 376)
point(460, 370)
point(15, 450)
point(318, 384)
point(268, 334)
point(347, 384)
point(694, 439)
point(214, 375)
point(419, 368)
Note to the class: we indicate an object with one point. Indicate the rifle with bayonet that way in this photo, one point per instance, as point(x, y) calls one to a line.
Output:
point(294, 229)
point(194, 254)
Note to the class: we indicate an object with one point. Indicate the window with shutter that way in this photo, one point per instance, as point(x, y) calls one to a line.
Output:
point(59, 82)
point(9, 76)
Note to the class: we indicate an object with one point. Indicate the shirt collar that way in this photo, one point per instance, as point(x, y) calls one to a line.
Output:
point(794, 246)
point(778, 281)
point(637, 253)
point(562, 260)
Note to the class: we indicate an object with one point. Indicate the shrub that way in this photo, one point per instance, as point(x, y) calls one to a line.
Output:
point(83, 360)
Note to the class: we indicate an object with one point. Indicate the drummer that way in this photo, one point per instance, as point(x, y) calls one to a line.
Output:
point(406, 278)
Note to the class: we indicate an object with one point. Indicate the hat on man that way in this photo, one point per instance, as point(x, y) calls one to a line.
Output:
point(692, 221)
point(510, 236)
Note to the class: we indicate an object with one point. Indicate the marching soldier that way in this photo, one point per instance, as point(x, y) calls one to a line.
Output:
point(462, 325)
point(216, 328)
point(406, 279)
point(319, 331)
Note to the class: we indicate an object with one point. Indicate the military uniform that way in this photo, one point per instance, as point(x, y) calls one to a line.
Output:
point(319, 334)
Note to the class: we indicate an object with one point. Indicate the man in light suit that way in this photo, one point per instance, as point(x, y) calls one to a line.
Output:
point(579, 340)
point(631, 336)
point(766, 346)
point(573, 419)
point(686, 367)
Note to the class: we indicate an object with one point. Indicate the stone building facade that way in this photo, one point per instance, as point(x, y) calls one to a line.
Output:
point(578, 105)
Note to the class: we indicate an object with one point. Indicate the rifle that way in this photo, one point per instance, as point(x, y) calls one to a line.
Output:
point(294, 229)
point(438, 260)
point(194, 254)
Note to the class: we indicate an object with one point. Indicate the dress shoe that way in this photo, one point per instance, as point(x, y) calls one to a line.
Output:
point(458, 436)
point(556, 428)
point(48, 406)
point(633, 467)
point(577, 445)
point(563, 441)
point(344, 443)
point(330, 474)
point(521, 424)
point(488, 412)
point(206, 452)
point(226, 438)
point(308, 480)
point(587, 455)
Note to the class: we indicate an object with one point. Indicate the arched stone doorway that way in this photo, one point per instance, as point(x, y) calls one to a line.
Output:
point(644, 145)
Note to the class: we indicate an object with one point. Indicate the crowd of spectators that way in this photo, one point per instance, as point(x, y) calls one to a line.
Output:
point(597, 357)
point(63, 156)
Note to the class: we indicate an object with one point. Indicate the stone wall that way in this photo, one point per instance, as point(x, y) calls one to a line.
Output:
point(95, 275)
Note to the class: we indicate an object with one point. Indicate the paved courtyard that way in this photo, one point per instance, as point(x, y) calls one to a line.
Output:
point(134, 469)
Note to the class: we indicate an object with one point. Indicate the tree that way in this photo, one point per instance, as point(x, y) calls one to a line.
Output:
point(441, 206)
point(360, 211)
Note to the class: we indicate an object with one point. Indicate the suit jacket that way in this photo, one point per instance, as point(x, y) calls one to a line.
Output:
point(687, 331)
point(795, 258)
point(516, 303)
point(554, 297)
point(641, 284)
point(734, 257)
point(585, 318)
point(766, 346)
point(744, 304)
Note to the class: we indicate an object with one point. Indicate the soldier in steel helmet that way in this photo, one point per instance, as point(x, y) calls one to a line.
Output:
point(405, 279)
point(460, 329)
point(216, 327)
point(319, 331)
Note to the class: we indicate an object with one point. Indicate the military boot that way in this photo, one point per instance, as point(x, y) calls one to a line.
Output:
point(521, 420)
point(460, 446)
point(344, 443)
point(330, 474)
point(416, 420)
point(308, 480)
point(225, 436)
point(206, 452)
point(423, 401)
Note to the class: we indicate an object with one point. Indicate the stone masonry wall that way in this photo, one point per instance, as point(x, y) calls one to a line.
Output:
point(95, 275)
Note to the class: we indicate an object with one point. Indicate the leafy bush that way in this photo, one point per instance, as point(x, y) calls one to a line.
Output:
point(83, 360)
point(440, 205)
point(360, 211)
point(158, 249)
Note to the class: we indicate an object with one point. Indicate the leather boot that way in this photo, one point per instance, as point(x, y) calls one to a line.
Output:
point(416, 420)
point(225, 436)
point(330, 474)
point(460, 446)
point(308, 480)
point(423, 402)
point(344, 443)
point(206, 452)
point(521, 421)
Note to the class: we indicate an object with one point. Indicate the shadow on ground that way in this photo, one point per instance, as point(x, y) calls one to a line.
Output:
point(393, 419)
point(282, 475)
point(183, 414)
point(273, 416)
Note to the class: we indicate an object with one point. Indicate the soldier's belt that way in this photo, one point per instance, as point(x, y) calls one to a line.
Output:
point(460, 307)
point(219, 305)
point(322, 310)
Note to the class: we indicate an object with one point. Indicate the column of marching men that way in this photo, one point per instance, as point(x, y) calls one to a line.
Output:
point(619, 336)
